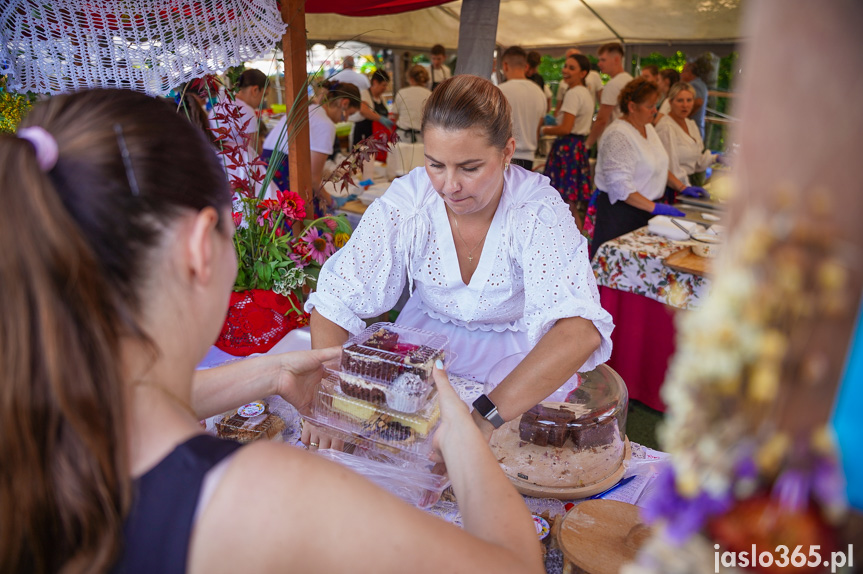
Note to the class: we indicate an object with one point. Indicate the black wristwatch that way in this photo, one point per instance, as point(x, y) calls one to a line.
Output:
point(488, 410)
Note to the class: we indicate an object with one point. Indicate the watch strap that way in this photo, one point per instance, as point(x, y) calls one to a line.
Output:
point(485, 407)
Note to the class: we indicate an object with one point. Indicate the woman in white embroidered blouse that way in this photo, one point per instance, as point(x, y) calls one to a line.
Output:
point(490, 252)
point(681, 137)
point(632, 168)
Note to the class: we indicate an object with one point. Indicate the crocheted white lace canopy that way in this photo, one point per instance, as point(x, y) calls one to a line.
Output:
point(54, 46)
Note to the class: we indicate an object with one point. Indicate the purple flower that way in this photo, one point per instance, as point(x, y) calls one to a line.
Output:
point(791, 490)
point(684, 516)
point(320, 245)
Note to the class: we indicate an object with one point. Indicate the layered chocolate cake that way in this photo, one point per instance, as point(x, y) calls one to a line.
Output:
point(250, 422)
point(384, 370)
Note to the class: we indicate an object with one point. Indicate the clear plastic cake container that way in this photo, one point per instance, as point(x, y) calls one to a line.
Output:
point(419, 484)
point(259, 420)
point(392, 365)
point(375, 426)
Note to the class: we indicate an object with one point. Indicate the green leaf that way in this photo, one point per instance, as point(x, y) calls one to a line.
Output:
point(274, 252)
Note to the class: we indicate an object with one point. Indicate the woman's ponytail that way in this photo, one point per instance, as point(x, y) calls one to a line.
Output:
point(62, 437)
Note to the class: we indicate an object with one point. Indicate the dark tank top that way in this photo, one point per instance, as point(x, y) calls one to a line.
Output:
point(159, 526)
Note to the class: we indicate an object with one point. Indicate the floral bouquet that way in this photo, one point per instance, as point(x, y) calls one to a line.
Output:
point(279, 251)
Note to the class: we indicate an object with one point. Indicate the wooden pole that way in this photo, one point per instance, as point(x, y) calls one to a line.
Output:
point(476, 37)
point(294, 49)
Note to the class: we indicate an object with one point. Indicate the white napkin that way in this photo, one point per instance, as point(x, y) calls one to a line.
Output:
point(662, 225)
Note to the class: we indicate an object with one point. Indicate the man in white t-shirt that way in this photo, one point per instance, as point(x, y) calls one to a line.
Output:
point(438, 71)
point(349, 75)
point(611, 63)
point(528, 105)
point(592, 82)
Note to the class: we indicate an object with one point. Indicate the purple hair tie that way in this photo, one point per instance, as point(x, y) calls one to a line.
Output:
point(45, 144)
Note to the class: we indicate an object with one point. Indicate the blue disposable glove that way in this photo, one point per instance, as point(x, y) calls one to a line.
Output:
point(665, 209)
point(720, 158)
point(549, 120)
point(694, 191)
point(340, 201)
point(386, 122)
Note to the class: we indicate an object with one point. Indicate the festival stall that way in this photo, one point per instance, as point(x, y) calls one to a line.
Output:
point(740, 359)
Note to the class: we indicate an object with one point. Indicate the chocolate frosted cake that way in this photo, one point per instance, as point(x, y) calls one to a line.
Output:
point(545, 426)
point(593, 432)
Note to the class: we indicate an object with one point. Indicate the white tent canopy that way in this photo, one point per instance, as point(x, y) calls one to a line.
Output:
point(548, 25)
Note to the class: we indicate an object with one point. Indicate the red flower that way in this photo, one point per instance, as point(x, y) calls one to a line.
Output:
point(269, 207)
point(238, 218)
point(291, 204)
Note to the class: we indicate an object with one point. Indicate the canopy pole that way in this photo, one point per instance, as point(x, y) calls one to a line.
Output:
point(477, 33)
point(294, 50)
point(601, 19)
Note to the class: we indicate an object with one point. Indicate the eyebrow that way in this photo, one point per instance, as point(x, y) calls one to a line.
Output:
point(466, 162)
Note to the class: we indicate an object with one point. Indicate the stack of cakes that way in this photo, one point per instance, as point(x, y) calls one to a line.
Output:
point(382, 396)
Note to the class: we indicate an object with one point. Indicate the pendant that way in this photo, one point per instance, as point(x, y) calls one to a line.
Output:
point(470, 259)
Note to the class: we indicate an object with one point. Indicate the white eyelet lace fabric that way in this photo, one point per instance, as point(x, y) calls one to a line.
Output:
point(628, 163)
point(147, 45)
point(533, 269)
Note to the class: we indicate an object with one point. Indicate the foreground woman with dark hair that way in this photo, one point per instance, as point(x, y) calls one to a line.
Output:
point(116, 272)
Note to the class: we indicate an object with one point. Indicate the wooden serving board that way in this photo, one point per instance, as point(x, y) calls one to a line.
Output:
point(600, 536)
point(688, 262)
point(544, 464)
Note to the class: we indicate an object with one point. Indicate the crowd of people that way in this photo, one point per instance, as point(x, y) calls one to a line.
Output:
point(584, 111)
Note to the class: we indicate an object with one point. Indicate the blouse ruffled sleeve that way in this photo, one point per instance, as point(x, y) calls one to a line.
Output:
point(558, 279)
point(365, 277)
point(618, 165)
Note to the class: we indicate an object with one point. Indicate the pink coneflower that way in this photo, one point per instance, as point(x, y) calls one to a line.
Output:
point(292, 205)
point(320, 245)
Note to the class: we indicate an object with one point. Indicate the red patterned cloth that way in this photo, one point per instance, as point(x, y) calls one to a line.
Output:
point(257, 320)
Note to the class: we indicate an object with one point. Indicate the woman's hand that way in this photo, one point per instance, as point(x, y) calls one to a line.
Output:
point(299, 374)
point(314, 437)
point(455, 416)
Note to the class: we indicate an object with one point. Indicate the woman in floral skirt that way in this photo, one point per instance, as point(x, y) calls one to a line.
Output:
point(567, 166)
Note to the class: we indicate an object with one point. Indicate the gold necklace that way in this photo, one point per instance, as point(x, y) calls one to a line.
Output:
point(469, 250)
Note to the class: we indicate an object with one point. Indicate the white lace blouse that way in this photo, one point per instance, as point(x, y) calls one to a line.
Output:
point(686, 153)
point(533, 269)
point(627, 162)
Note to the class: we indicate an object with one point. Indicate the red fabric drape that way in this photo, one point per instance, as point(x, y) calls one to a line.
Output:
point(643, 341)
point(368, 7)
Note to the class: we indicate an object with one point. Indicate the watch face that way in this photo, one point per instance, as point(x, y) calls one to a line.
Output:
point(483, 405)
